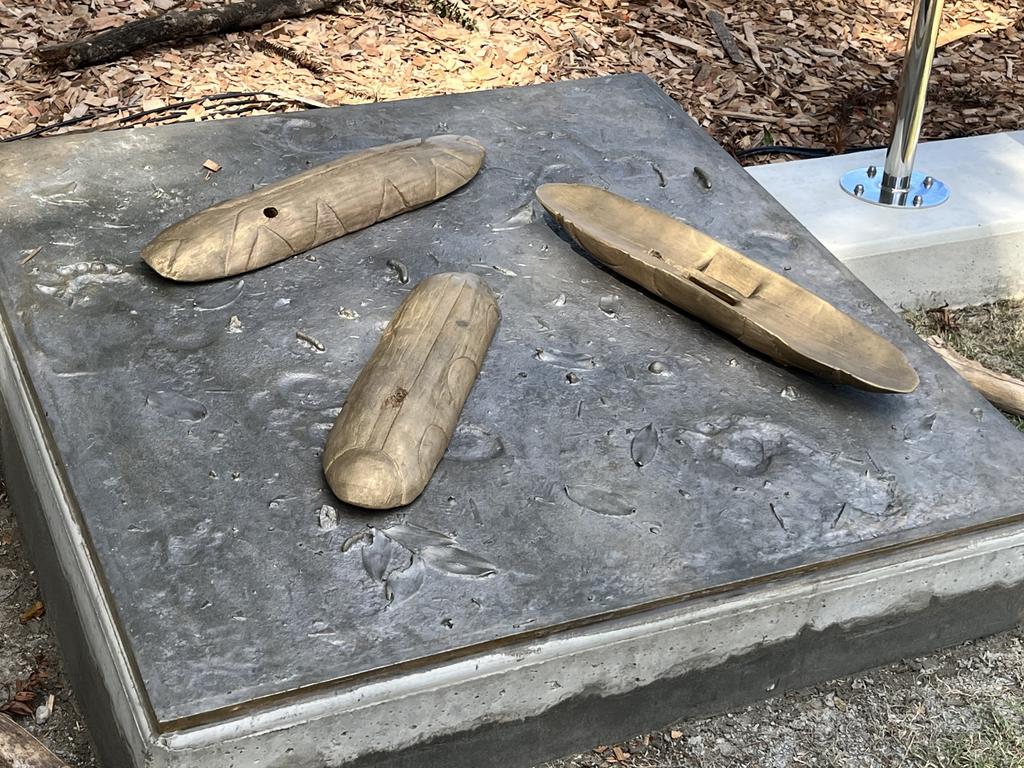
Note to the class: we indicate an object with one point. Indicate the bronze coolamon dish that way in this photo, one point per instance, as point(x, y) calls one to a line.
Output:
point(402, 410)
point(303, 211)
point(760, 308)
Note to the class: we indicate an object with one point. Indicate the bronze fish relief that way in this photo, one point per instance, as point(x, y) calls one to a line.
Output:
point(313, 207)
point(721, 286)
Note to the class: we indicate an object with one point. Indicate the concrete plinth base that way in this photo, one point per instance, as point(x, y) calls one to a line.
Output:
point(970, 250)
point(164, 457)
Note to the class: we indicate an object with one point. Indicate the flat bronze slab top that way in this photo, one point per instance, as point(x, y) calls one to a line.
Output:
point(614, 452)
point(761, 309)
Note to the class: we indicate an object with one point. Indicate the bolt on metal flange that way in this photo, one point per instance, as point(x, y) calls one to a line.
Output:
point(900, 186)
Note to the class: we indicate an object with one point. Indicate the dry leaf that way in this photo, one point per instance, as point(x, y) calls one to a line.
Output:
point(34, 611)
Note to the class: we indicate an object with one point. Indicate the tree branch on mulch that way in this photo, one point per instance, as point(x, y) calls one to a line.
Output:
point(244, 100)
point(1002, 390)
point(114, 43)
point(455, 10)
point(296, 57)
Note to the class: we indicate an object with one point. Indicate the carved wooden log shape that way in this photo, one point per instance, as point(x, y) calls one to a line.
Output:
point(402, 410)
point(759, 308)
point(321, 204)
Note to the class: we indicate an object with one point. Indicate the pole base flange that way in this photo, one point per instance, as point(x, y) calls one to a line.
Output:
point(866, 184)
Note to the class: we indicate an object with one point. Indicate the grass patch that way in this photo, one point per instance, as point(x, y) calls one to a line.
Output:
point(992, 334)
point(997, 741)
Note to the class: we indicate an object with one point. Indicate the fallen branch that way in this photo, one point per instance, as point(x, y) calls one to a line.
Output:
point(20, 749)
point(250, 98)
point(725, 36)
point(682, 42)
point(114, 43)
point(1002, 390)
point(455, 10)
point(948, 36)
point(751, 43)
point(296, 57)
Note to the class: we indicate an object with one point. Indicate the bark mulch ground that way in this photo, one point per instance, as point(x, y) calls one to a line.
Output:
point(795, 72)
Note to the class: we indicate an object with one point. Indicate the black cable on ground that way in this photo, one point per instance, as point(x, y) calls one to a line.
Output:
point(808, 152)
point(252, 95)
point(776, 149)
point(152, 117)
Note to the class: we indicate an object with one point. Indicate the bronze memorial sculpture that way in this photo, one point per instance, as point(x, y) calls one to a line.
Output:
point(403, 407)
point(321, 204)
point(695, 272)
point(400, 413)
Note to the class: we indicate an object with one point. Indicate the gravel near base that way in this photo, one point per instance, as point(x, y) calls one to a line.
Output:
point(28, 652)
point(961, 707)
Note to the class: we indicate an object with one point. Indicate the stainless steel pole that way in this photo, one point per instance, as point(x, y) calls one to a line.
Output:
point(900, 185)
point(917, 66)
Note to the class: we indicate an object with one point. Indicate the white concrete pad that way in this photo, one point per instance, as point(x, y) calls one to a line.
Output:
point(968, 251)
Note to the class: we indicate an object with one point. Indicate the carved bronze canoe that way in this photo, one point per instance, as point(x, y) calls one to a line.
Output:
point(402, 410)
point(695, 272)
point(313, 207)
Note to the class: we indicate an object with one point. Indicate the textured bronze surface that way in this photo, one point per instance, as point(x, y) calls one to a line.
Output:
point(758, 307)
point(303, 211)
point(402, 410)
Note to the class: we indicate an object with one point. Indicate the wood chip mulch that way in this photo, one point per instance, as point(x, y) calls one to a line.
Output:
point(806, 73)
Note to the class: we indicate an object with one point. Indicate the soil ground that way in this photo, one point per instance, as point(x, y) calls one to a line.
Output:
point(29, 653)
